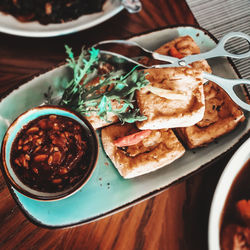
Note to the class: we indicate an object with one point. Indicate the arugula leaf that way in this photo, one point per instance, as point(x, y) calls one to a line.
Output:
point(90, 92)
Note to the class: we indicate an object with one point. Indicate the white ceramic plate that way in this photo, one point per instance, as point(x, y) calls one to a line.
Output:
point(227, 178)
point(10, 25)
point(107, 192)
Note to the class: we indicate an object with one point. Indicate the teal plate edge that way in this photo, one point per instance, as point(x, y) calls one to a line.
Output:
point(29, 213)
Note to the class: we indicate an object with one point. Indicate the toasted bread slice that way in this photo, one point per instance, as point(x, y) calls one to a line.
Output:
point(164, 112)
point(98, 122)
point(95, 120)
point(185, 45)
point(160, 148)
point(221, 116)
point(171, 111)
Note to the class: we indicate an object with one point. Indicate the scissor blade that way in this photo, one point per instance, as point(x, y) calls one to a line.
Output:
point(187, 60)
point(228, 86)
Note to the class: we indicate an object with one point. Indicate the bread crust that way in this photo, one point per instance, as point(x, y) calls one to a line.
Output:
point(165, 113)
point(222, 115)
point(98, 122)
point(95, 120)
point(162, 148)
point(186, 46)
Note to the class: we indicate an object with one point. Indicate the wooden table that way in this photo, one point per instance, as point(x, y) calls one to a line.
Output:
point(175, 219)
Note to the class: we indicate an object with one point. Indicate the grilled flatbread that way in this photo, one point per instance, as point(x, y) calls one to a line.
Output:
point(160, 148)
point(94, 118)
point(221, 116)
point(185, 45)
point(97, 122)
point(183, 104)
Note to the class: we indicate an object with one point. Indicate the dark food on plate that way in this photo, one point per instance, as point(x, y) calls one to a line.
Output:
point(235, 220)
point(50, 153)
point(50, 11)
point(136, 152)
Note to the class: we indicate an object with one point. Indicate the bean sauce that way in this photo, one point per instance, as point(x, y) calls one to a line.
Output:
point(50, 153)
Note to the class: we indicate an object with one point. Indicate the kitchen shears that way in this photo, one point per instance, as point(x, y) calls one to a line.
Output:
point(164, 61)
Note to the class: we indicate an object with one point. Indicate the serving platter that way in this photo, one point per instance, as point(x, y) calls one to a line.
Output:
point(10, 25)
point(107, 192)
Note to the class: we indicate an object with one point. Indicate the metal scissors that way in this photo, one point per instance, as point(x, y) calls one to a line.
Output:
point(218, 51)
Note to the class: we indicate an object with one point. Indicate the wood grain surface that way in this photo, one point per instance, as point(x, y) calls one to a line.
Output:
point(175, 219)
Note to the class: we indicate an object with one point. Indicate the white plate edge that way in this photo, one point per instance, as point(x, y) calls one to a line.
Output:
point(73, 25)
point(224, 184)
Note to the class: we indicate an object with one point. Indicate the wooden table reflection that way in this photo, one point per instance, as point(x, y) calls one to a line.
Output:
point(175, 219)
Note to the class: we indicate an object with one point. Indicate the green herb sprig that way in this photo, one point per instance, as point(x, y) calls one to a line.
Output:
point(116, 85)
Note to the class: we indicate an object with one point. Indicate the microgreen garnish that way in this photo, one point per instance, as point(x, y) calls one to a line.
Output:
point(91, 92)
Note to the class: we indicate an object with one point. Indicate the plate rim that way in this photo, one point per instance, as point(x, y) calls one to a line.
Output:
point(217, 200)
point(146, 196)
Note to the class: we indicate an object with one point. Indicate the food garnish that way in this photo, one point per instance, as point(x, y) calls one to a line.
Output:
point(132, 139)
point(175, 53)
point(92, 92)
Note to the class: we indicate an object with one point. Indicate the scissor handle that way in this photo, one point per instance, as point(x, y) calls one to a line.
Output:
point(227, 85)
point(220, 50)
